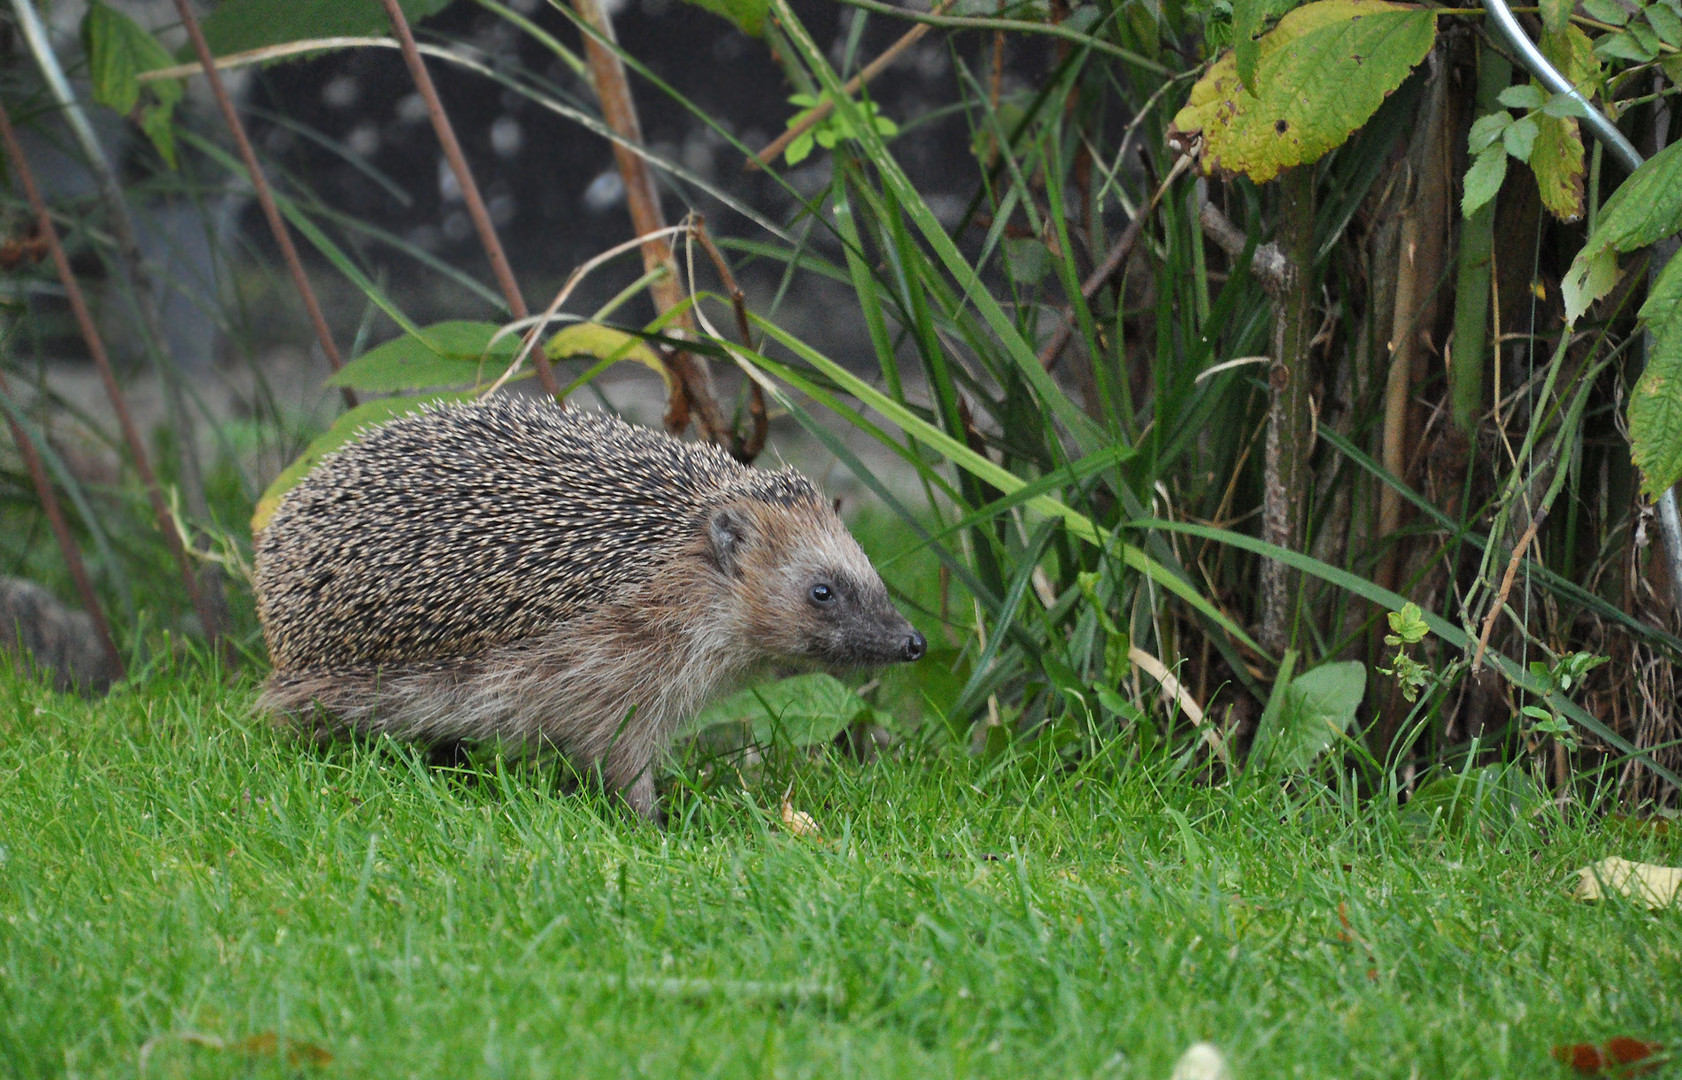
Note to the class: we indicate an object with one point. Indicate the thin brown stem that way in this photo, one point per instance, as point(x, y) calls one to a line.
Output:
point(102, 361)
point(61, 532)
point(745, 449)
point(815, 115)
point(265, 196)
point(476, 211)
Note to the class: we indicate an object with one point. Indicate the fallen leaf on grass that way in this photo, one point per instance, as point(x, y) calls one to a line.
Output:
point(1201, 1061)
point(1654, 886)
point(1619, 1053)
point(798, 822)
point(262, 1044)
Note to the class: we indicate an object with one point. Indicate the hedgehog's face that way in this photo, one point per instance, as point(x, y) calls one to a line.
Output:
point(803, 589)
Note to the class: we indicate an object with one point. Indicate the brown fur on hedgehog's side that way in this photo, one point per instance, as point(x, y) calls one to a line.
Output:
point(510, 570)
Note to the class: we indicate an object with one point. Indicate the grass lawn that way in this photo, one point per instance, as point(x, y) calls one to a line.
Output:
point(185, 889)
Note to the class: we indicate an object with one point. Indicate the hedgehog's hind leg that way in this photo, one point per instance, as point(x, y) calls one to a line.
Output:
point(323, 704)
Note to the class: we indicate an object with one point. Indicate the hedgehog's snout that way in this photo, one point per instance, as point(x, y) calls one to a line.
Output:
point(914, 648)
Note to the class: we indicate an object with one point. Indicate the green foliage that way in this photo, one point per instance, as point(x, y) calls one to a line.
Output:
point(240, 25)
point(1407, 628)
point(1646, 208)
point(1306, 715)
point(118, 52)
point(442, 355)
point(748, 15)
point(833, 129)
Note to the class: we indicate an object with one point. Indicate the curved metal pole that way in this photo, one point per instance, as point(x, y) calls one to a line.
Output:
point(1670, 520)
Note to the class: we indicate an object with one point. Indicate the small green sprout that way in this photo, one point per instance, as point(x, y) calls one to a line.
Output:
point(831, 129)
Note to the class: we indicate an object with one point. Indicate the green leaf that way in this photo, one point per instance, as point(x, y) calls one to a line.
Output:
point(1519, 137)
point(1655, 410)
point(610, 344)
point(1623, 46)
point(1486, 130)
point(1320, 74)
point(1522, 96)
point(118, 50)
point(1646, 207)
point(1606, 11)
point(239, 25)
point(443, 354)
point(800, 148)
point(1246, 21)
point(370, 414)
point(1484, 178)
point(1665, 23)
point(748, 15)
point(1556, 14)
point(1664, 296)
point(803, 711)
point(1319, 706)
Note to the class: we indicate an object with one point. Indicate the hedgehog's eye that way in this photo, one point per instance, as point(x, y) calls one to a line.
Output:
point(822, 593)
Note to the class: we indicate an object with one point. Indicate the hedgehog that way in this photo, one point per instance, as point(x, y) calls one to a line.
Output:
point(513, 571)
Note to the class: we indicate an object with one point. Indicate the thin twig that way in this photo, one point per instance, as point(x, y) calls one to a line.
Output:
point(61, 532)
point(815, 115)
point(1506, 587)
point(536, 324)
point(1267, 262)
point(1113, 262)
point(748, 448)
point(265, 196)
point(469, 187)
point(642, 199)
point(102, 361)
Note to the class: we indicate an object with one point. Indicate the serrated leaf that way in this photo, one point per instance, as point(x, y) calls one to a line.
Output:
point(1522, 96)
point(1519, 137)
point(1665, 23)
point(238, 25)
point(1486, 129)
point(1664, 295)
point(1645, 208)
point(1484, 178)
point(1320, 74)
point(1623, 46)
point(1556, 159)
point(805, 710)
point(1607, 11)
point(349, 426)
point(1655, 410)
point(606, 343)
point(443, 354)
point(1572, 52)
point(1246, 22)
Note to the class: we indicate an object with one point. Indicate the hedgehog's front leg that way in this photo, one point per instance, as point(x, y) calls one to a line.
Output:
point(629, 770)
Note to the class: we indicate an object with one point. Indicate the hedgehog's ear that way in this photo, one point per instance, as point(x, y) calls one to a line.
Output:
point(727, 535)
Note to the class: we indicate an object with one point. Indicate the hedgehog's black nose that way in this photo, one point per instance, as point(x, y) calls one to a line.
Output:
point(914, 648)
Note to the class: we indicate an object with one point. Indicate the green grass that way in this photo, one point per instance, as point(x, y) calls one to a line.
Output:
point(172, 866)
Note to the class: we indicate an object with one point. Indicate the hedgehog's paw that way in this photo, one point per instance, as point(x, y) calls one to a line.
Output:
point(639, 796)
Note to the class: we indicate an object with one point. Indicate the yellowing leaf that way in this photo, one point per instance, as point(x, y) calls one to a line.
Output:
point(1653, 886)
point(798, 822)
point(1320, 74)
point(609, 344)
